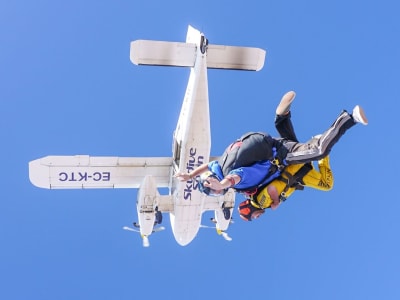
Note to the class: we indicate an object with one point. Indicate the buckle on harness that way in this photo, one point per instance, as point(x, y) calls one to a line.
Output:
point(282, 197)
point(275, 162)
point(279, 158)
point(255, 204)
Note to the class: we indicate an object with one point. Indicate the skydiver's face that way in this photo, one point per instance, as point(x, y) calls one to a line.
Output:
point(257, 214)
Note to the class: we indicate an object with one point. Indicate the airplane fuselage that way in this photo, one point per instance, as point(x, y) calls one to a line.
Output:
point(192, 144)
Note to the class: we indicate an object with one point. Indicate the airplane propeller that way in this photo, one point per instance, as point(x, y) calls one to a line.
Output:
point(215, 221)
point(226, 236)
point(220, 232)
point(145, 238)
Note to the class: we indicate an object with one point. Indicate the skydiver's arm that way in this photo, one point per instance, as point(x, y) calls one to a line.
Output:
point(198, 171)
point(229, 181)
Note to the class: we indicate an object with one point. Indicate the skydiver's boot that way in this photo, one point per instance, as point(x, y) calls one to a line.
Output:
point(283, 123)
point(359, 115)
point(283, 107)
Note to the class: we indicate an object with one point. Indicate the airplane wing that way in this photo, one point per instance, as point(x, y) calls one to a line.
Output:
point(84, 171)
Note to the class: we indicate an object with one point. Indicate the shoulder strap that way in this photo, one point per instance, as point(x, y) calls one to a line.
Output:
point(303, 172)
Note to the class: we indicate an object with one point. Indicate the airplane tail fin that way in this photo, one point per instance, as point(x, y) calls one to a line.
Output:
point(160, 53)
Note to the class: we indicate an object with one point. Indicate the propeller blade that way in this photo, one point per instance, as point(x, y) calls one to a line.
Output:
point(130, 229)
point(145, 238)
point(205, 226)
point(146, 242)
point(215, 221)
point(158, 229)
point(226, 236)
point(223, 233)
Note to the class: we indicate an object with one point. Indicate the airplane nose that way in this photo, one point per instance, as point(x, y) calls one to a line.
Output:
point(184, 231)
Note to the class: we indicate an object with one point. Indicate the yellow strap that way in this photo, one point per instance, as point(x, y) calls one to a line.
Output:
point(255, 204)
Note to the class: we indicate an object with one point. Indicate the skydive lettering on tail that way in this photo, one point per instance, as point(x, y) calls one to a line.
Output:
point(194, 161)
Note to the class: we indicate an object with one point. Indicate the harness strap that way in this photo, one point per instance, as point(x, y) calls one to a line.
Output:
point(295, 180)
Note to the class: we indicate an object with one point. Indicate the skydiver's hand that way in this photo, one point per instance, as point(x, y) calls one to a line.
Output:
point(182, 176)
point(273, 193)
point(274, 205)
point(213, 183)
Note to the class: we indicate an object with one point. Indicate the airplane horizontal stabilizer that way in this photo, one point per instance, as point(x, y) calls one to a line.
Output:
point(83, 171)
point(235, 58)
point(159, 53)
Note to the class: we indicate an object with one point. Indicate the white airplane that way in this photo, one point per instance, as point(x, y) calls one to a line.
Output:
point(190, 146)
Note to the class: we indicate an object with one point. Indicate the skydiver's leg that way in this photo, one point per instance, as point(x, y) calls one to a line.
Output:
point(284, 106)
point(321, 145)
point(284, 126)
point(283, 122)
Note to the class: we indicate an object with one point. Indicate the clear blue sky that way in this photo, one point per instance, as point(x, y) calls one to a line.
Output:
point(67, 87)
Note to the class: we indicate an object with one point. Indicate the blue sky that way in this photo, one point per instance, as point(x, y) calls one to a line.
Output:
point(67, 87)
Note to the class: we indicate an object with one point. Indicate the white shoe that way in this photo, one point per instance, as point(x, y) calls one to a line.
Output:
point(284, 106)
point(359, 115)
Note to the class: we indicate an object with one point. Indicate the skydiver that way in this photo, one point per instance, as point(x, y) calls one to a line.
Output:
point(294, 177)
point(256, 158)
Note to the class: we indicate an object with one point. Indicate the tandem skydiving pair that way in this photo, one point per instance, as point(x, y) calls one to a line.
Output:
point(267, 169)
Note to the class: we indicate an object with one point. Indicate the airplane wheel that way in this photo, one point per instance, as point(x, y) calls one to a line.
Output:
point(227, 213)
point(158, 217)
